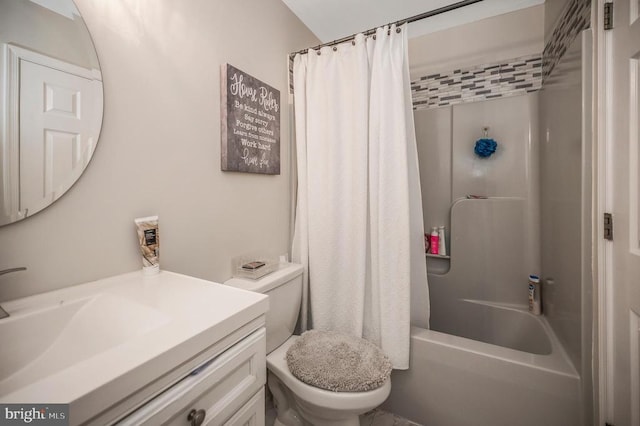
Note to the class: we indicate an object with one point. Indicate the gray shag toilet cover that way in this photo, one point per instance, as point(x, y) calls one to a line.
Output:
point(338, 362)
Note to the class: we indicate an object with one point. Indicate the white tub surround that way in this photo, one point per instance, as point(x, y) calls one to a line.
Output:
point(509, 326)
point(107, 346)
point(455, 381)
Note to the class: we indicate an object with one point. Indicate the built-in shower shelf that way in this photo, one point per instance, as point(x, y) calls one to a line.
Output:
point(437, 256)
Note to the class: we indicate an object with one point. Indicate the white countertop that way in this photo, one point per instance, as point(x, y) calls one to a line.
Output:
point(184, 316)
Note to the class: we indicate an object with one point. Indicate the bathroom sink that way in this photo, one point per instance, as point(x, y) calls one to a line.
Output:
point(52, 338)
point(104, 346)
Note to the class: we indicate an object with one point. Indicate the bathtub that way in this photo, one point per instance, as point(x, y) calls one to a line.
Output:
point(501, 366)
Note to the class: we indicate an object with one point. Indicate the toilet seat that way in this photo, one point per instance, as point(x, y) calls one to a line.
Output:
point(338, 362)
point(277, 364)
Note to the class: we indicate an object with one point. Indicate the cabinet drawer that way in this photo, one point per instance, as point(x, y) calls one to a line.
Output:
point(251, 414)
point(220, 388)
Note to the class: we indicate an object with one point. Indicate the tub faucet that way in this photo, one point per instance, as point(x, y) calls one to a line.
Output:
point(3, 313)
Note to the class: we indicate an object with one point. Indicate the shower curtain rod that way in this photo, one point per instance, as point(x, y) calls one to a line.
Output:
point(424, 15)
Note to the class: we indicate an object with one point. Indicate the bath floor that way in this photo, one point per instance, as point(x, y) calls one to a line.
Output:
point(375, 417)
point(379, 417)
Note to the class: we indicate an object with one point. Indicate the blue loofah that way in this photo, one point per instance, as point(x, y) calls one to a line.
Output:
point(485, 147)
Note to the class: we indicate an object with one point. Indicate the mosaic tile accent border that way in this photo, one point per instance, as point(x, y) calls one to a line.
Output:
point(575, 18)
point(481, 82)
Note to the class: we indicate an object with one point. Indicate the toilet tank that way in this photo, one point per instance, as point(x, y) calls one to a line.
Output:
point(284, 288)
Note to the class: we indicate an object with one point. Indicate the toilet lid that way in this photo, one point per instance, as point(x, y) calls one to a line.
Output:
point(338, 362)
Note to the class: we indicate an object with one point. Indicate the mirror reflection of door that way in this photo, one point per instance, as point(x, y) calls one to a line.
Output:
point(59, 109)
point(50, 103)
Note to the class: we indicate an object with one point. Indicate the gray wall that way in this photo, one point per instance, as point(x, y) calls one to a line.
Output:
point(159, 151)
point(489, 40)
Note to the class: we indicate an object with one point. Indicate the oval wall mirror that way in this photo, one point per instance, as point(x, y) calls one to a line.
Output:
point(50, 103)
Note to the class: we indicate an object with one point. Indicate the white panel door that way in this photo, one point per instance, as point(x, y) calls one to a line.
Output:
point(57, 132)
point(624, 409)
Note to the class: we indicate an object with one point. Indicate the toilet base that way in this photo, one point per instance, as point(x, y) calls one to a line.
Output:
point(293, 411)
point(340, 423)
point(287, 415)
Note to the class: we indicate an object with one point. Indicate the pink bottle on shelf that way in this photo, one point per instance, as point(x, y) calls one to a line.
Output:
point(434, 240)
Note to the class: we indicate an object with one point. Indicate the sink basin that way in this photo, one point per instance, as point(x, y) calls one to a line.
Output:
point(49, 339)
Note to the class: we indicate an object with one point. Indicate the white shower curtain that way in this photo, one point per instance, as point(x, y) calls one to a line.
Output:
point(358, 227)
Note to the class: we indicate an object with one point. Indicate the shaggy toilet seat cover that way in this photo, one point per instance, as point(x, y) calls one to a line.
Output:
point(338, 362)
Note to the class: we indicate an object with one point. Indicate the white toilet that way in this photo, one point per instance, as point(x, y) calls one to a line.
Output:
point(299, 403)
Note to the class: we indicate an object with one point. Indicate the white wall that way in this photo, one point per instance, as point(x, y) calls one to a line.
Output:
point(37, 28)
point(159, 151)
point(501, 37)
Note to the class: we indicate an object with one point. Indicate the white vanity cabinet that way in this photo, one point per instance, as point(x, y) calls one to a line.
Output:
point(226, 390)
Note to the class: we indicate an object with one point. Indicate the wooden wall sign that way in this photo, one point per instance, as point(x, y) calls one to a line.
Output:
point(250, 123)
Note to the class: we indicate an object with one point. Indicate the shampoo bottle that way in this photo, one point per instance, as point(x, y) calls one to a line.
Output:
point(442, 246)
point(535, 301)
point(434, 241)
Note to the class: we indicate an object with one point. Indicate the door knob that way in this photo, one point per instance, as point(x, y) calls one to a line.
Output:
point(196, 417)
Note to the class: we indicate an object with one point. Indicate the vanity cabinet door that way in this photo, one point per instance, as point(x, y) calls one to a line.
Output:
point(214, 392)
point(251, 414)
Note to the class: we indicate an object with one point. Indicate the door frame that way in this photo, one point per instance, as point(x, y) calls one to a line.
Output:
point(603, 185)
